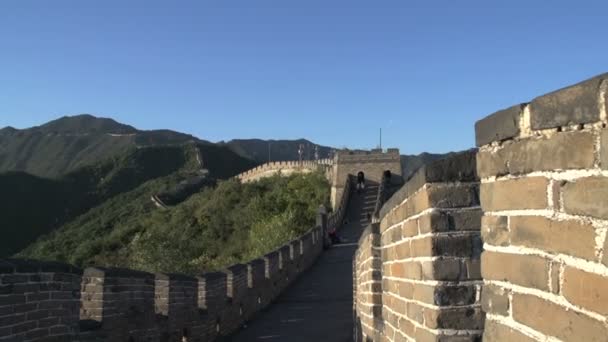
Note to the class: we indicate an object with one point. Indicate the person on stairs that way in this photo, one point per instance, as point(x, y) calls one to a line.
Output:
point(360, 182)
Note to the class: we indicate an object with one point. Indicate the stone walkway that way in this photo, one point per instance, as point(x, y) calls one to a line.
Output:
point(318, 306)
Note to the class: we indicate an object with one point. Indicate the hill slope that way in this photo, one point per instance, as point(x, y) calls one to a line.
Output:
point(230, 223)
point(65, 144)
point(56, 201)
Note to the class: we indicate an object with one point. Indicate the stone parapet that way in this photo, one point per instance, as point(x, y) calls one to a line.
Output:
point(544, 193)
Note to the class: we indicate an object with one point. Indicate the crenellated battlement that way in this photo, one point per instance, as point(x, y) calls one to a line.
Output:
point(286, 168)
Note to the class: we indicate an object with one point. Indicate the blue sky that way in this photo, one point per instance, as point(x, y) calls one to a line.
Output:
point(330, 71)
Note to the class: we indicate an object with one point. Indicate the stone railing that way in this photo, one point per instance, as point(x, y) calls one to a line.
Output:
point(44, 301)
point(286, 167)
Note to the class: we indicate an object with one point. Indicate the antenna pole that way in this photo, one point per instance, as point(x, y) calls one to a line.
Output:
point(381, 138)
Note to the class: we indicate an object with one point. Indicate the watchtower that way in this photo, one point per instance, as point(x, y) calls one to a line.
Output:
point(372, 163)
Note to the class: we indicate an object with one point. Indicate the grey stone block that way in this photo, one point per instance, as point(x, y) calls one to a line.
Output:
point(501, 125)
point(576, 104)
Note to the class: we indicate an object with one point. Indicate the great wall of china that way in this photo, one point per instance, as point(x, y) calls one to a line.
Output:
point(507, 242)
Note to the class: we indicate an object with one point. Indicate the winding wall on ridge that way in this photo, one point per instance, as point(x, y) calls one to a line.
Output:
point(286, 168)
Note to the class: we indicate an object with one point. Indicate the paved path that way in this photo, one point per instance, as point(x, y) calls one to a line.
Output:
point(318, 306)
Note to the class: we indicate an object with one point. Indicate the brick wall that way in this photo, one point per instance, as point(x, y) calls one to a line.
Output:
point(43, 301)
point(544, 192)
point(286, 168)
point(417, 271)
point(38, 300)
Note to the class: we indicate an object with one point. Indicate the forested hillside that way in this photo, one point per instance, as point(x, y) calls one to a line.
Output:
point(32, 206)
point(216, 227)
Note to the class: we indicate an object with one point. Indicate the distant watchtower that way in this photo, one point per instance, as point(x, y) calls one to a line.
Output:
point(372, 163)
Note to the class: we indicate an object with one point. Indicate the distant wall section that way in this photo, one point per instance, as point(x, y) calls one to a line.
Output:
point(286, 168)
point(373, 163)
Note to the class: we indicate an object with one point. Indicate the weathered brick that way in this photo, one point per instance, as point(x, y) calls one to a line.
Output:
point(471, 269)
point(433, 222)
point(469, 318)
point(413, 270)
point(605, 261)
point(461, 245)
point(563, 151)
point(453, 195)
point(448, 295)
point(556, 188)
point(501, 125)
point(398, 269)
point(425, 335)
point(495, 300)
point(588, 290)
point(576, 104)
point(567, 237)
point(604, 147)
point(403, 250)
point(555, 277)
point(495, 230)
point(409, 228)
point(415, 312)
point(422, 247)
point(442, 269)
point(512, 194)
point(406, 327)
point(524, 270)
point(495, 331)
point(567, 325)
point(465, 220)
point(587, 196)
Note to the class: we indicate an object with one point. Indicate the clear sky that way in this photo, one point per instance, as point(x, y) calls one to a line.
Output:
point(330, 71)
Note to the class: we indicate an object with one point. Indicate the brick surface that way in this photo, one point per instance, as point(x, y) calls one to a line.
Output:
point(567, 325)
point(555, 277)
point(494, 331)
point(567, 237)
point(587, 290)
point(604, 147)
point(605, 260)
point(525, 270)
point(453, 196)
point(501, 125)
point(462, 318)
point(562, 151)
point(495, 230)
point(409, 228)
point(572, 105)
point(587, 196)
point(508, 194)
point(465, 220)
point(434, 222)
point(495, 300)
